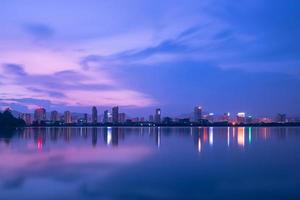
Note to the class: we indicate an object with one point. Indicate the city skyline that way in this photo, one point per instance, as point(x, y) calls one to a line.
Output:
point(141, 56)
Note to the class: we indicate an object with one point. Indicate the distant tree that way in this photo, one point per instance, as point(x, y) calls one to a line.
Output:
point(7, 120)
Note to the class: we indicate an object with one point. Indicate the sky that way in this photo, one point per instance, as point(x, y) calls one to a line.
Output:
point(224, 55)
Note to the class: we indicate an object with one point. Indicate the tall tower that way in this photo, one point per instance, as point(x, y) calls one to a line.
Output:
point(197, 113)
point(94, 115)
point(157, 117)
point(115, 114)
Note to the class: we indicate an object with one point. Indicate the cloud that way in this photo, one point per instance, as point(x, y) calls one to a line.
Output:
point(39, 31)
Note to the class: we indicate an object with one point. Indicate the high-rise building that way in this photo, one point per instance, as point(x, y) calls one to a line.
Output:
point(54, 116)
point(151, 118)
point(122, 117)
point(27, 118)
point(157, 116)
point(241, 117)
point(85, 118)
point(115, 114)
point(105, 117)
point(40, 115)
point(197, 113)
point(281, 118)
point(94, 115)
point(67, 117)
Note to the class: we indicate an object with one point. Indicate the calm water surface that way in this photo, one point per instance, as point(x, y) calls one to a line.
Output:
point(150, 163)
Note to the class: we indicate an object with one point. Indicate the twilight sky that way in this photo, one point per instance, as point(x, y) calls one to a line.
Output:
point(225, 55)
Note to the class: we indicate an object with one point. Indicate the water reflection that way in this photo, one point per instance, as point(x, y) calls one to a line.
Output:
point(109, 163)
point(234, 136)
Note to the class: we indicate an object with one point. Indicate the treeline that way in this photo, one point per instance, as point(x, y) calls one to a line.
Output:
point(7, 120)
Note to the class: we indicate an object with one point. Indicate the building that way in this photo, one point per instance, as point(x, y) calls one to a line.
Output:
point(85, 118)
point(281, 118)
point(210, 117)
point(115, 114)
point(27, 118)
point(54, 117)
point(94, 115)
point(226, 117)
point(40, 115)
point(157, 116)
point(151, 118)
point(105, 117)
point(241, 118)
point(122, 117)
point(197, 113)
point(67, 117)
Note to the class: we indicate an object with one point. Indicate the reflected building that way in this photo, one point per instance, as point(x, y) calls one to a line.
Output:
point(241, 136)
point(94, 136)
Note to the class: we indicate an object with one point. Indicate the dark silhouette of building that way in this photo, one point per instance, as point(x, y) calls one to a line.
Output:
point(115, 114)
point(94, 115)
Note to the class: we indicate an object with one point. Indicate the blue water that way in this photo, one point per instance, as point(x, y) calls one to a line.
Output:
point(150, 163)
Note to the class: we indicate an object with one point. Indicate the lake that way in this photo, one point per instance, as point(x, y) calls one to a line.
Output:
point(150, 163)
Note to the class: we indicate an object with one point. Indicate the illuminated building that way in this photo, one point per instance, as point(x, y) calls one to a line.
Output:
point(67, 117)
point(157, 116)
point(94, 115)
point(115, 114)
point(241, 117)
point(105, 117)
point(54, 116)
point(197, 113)
point(40, 115)
point(226, 117)
point(210, 117)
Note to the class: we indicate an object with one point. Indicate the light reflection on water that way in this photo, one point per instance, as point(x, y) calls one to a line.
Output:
point(147, 163)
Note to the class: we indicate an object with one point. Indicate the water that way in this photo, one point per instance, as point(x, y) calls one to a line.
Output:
point(150, 163)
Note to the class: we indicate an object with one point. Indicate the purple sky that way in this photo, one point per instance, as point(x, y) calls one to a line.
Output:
point(138, 54)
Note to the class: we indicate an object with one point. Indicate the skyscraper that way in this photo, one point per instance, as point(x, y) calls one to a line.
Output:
point(197, 113)
point(105, 116)
point(115, 114)
point(157, 117)
point(122, 117)
point(40, 115)
point(54, 116)
point(94, 115)
point(241, 117)
point(67, 117)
